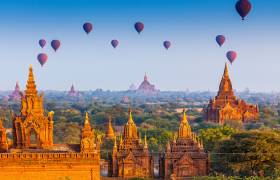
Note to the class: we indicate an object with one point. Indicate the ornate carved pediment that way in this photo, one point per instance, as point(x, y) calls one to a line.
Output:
point(186, 159)
point(129, 159)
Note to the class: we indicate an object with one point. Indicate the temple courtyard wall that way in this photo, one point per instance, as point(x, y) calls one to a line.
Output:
point(49, 166)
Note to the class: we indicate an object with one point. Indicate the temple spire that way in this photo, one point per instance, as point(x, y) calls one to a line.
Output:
point(130, 118)
point(86, 120)
point(184, 119)
point(31, 86)
point(17, 87)
point(110, 134)
point(130, 129)
point(145, 77)
point(225, 84)
point(115, 142)
point(184, 129)
point(226, 74)
point(145, 142)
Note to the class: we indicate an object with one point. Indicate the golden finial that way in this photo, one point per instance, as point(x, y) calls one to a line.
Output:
point(130, 118)
point(86, 119)
point(115, 142)
point(226, 70)
point(184, 119)
point(145, 142)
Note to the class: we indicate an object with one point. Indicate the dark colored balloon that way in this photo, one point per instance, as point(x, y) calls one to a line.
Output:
point(115, 43)
point(42, 58)
point(243, 7)
point(55, 44)
point(231, 56)
point(166, 44)
point(220, 40)
point(139, 26)
point(42, 42)
point(87, 27)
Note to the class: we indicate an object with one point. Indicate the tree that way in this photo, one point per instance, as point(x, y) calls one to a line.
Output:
point(212, 136)
point(249, 153)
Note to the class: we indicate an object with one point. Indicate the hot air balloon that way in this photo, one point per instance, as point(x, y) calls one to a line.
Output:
point(42, 58)
point(87, 27)
point(115, 43)
point(220, 40)
point(139, 26)
point(166, 44)
point(231, 56)
point(55, 44)
point(243, 7)
point(42, 42)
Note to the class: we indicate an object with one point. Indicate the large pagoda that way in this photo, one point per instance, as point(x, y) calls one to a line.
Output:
point(146, 87)
point(184, 156)
point(33, 155)
point(131, 157)
point(225, 106)
point(16, 94)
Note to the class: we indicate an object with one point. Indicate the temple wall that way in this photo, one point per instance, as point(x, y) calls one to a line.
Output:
point(54, 173)
point(50, 166)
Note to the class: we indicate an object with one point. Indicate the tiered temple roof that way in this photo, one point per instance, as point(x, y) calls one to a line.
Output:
point(184, 156)
point(225, 106)
point(131, 157)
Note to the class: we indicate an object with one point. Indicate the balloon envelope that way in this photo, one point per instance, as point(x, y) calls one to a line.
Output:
point(166, 44)
point(42, 42)
point(42, 58)
point(220, 40)
point(231, 56)
point(139, 26)
point(243, 7)
point(55, 44)
point(87, 27)
point(115, 43)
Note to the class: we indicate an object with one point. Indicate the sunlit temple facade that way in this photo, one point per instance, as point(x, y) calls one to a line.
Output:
point(225, 106)
point(130, 156)
point(33, 155)
point(184, 156)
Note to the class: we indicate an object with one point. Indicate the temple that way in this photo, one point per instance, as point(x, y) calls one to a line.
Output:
point(146, 87)
point(131, 157)
point(33, 155)
point(72, 92)
point(184, 157)
point(16, 94)
point(110, 134)
point(225, 106)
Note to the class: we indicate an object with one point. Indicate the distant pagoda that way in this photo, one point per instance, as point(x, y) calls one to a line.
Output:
point(16, 94)
point(110, 134)
point(184, 157)
point(132, 87)
point(130, 157)
point(146, 87)
point(72, 92)
point(225, 106)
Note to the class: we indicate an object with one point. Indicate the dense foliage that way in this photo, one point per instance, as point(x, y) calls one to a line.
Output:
point(236, 149)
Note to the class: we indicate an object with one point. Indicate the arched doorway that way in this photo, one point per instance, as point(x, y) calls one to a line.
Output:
point(33, 139)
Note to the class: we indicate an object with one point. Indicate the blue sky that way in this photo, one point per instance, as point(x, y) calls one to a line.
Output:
point(193, 62)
